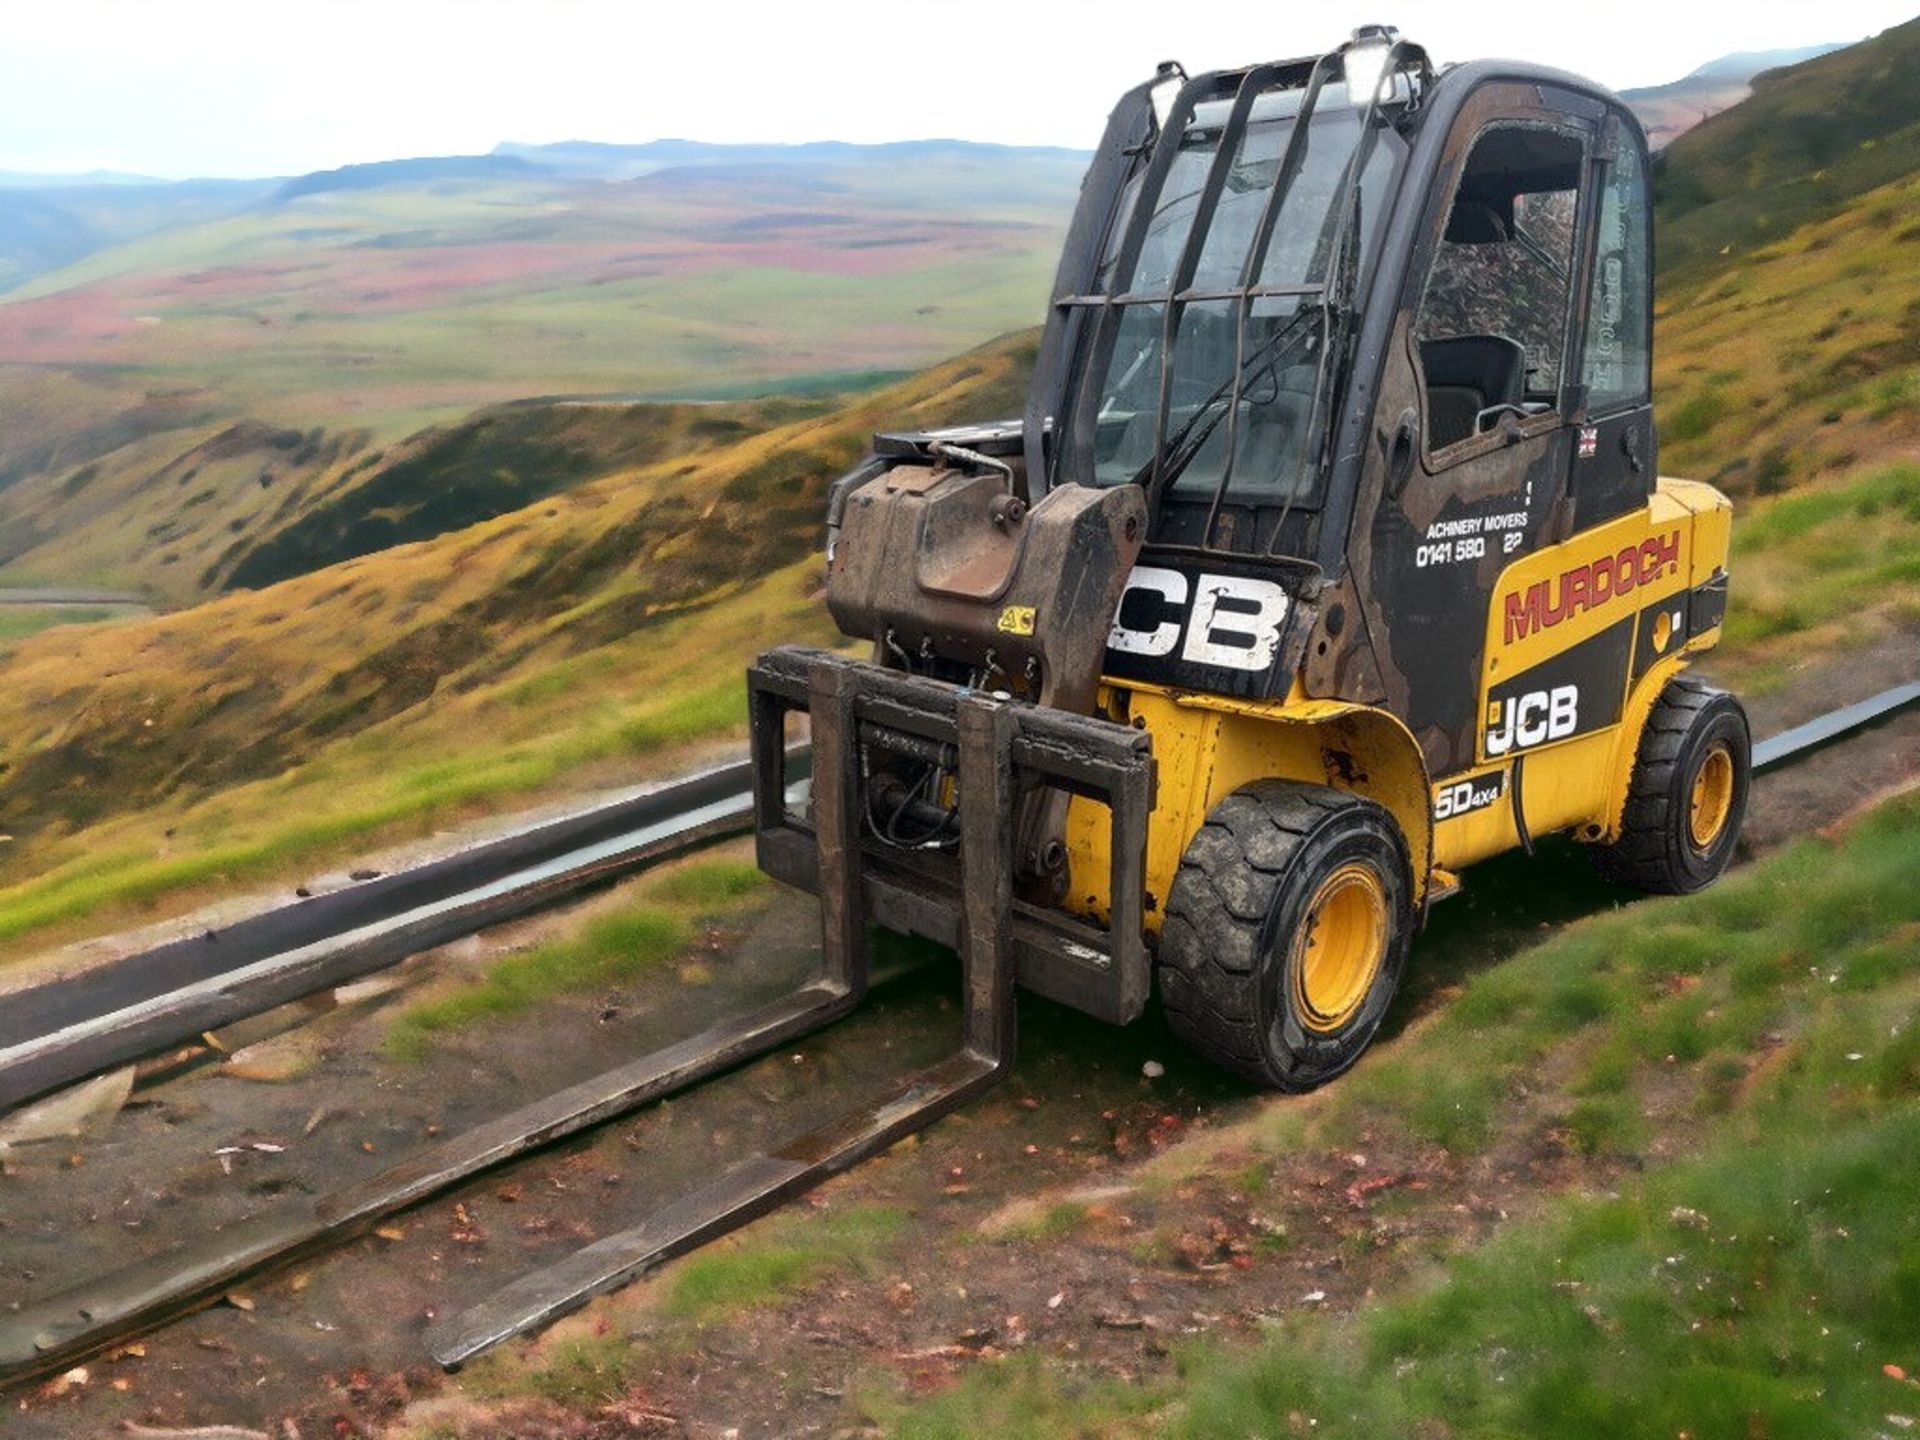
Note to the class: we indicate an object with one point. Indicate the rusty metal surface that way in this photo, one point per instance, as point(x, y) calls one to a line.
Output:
point(54, 1034)
point(985, 729)
point(937, 565)
point(1105, 971)
point(48, 1334)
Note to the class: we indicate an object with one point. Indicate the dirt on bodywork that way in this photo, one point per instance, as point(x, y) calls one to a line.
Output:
point(1101, 1209)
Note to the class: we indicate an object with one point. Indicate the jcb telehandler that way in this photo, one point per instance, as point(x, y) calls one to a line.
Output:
point(1328, 558)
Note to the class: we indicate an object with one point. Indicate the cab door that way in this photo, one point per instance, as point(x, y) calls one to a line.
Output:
point(1488, 392)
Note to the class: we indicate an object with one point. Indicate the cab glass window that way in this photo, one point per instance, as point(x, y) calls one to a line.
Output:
point(1492, 323)
point(1616, 364)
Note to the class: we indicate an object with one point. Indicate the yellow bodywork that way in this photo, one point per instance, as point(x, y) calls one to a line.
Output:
point(1206, 746)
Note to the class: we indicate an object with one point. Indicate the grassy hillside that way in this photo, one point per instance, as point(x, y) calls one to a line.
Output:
point(1811, 137)
point(1799, 358)
point(497, 460)
point(169, 513)
point(1714, 1102)
point(573, 642)
point(192, 509)
point(1670, 110)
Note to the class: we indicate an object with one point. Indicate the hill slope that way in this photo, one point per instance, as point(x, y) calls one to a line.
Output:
point(558, 646)
point(1800, 357)
point(187, 502)
point(1670, 110)
point(1811, 137)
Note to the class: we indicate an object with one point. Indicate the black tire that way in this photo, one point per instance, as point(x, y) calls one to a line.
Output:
point(1660, 849)
point(1234, 941)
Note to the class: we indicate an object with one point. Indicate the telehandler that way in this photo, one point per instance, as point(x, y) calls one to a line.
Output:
point(1328, 558)
point(1333, 524)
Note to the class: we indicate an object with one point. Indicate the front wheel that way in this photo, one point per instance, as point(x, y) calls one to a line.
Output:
point(1286, 932)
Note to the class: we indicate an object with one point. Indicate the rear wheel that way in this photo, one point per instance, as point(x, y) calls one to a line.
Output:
point(1286, 932)
point(1688, 795)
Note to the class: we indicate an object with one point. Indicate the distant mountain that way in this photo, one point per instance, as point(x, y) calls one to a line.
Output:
point(65, 219)
point(50, 222)
point(1670, 110)
point(31, 180)
point(1810, 137)
point(424, 171)
point(595, 160)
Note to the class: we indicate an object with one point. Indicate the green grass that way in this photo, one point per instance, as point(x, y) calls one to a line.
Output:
point(1056, 1222)
point(1755, 1286)
point(1695, 416)
point(1658, 985)
point(1797, 360)
point(778, 1259)
point(613, 949)
point(710, 885)
point(584, 1372)
point(579, 1372)
point(1826, 555)
point(1023, 1398)
point(710, 709)
point(1757, 1291)
point(17, 622)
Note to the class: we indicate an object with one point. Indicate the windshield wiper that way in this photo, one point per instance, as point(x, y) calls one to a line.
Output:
point(1184, 444)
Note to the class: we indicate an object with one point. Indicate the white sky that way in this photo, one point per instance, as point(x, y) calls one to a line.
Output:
point(265, 87)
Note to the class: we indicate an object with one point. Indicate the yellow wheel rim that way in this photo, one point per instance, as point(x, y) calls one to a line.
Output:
point(1340, 947)
point(1712, 800)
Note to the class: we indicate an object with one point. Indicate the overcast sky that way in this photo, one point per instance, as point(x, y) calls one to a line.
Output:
point(274, 87)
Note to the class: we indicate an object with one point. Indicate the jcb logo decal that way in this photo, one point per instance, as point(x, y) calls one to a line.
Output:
point(1522, 722)
point(1545, 603)
point(1232, 621)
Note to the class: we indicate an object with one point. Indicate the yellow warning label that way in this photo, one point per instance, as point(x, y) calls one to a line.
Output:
point(1016, 620)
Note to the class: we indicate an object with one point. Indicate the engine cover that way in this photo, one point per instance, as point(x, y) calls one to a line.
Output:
point(936, 564)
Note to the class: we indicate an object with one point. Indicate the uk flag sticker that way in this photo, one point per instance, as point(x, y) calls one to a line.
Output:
point(1589, 441)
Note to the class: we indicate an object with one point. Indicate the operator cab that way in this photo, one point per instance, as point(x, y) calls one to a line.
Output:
point(1201, 370)
point(1349, 312)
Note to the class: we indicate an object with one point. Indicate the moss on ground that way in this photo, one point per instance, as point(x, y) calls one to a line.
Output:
point(611, 949)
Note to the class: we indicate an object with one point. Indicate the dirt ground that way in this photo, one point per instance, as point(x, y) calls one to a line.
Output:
point(333, 1347)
